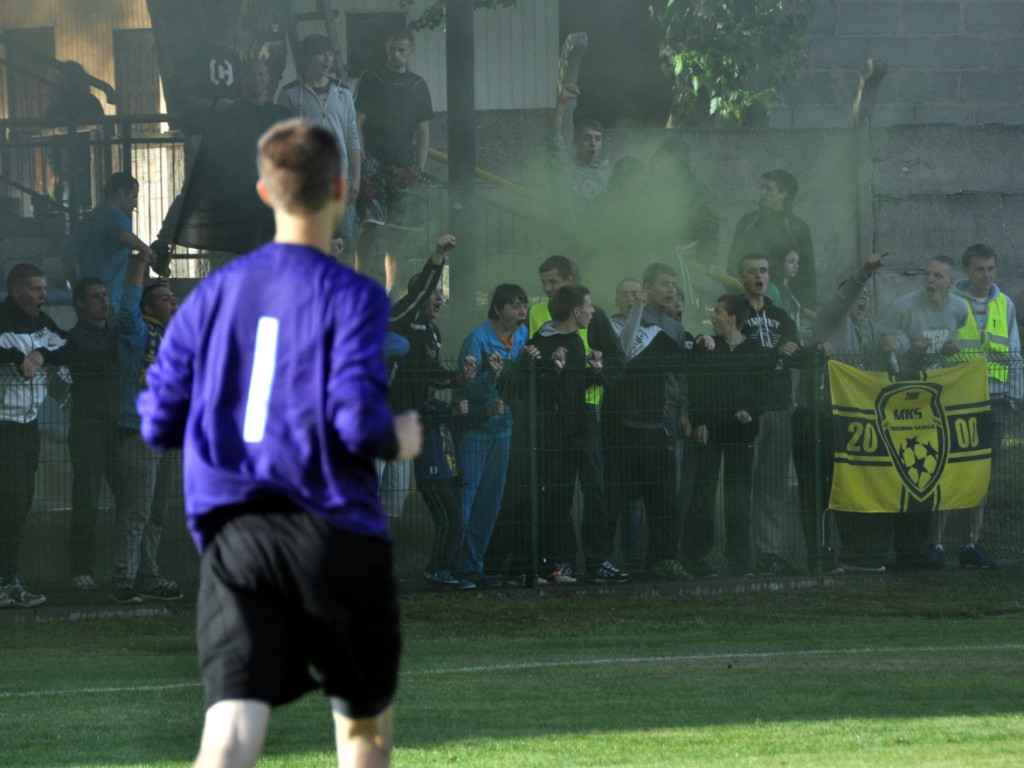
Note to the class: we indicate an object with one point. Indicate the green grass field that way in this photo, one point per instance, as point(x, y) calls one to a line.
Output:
point(921, 671)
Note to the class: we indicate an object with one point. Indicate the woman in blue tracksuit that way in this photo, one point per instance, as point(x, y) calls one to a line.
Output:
point(496, 345)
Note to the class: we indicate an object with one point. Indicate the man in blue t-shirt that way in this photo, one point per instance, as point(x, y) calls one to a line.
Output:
point(102, 239)
point(281, 407)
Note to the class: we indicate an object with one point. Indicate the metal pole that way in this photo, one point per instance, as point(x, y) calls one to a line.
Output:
point(461, 148)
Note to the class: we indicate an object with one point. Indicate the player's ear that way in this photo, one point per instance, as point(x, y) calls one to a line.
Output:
point(340, 188)
point(261, 190)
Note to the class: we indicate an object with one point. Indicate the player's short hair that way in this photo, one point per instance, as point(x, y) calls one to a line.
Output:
point(559, 263)
point(506, 293)
point(656, 270)
point(944, 259)
point(565, 300)
point(977, 251)
point(299, 163)
point(21, 274)
point(588, 124)
point(786, 182)
point(400, 34)
point(752, 257)
point(83, 285)
point(735, 304)
point(120, 181)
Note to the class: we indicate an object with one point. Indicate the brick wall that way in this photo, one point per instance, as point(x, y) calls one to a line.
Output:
point(950, 61)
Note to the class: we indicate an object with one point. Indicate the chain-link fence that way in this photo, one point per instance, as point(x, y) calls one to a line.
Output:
point(669, 468)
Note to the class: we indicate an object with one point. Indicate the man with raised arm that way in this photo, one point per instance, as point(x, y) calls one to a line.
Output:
point(282, 407)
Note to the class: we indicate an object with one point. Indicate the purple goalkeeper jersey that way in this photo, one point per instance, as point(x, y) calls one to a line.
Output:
point(271, 376)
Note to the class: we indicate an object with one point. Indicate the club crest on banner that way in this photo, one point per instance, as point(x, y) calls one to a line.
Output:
point(912, 426)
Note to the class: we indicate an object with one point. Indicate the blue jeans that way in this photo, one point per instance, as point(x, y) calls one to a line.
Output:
point(484, 466)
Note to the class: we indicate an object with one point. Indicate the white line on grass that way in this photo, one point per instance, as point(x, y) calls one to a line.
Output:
point(708, 657)
point(118, 689)
point(563, 663)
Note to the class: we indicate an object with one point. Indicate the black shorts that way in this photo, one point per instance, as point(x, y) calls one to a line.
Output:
point(285, 591)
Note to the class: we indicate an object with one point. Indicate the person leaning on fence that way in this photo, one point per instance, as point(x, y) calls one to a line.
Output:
point(296, 567)
point(844, 332)
point(496, 347)
point(638, 449)
point(29, 341)
point(991, 330)
point(147, 477)
point(418, 372)
point(927, 324)
point(725, 382)
point(565, 370)
point(597, 527)
point(92, 435)
point(772, 328)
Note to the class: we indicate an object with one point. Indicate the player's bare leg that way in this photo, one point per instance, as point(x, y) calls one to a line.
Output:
point(233, 734)
point(366, 742)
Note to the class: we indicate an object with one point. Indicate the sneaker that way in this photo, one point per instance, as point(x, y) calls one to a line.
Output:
point(125, 595)
point(523, 581)
point(670, 569)
point(773, 565)
point(973, 556)
point(934, 557)
point(700, 569)
point(563, 574)
point(739, 570)
point(19, 597)
point(83, 582)
point(482, 580)
point(608, 574)
point(160, 589)
point(441, 579)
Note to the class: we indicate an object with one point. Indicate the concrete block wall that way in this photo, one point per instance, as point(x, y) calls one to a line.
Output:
point(950, 61)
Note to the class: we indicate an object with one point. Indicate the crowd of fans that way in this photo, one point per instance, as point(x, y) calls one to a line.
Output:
point(643, 415)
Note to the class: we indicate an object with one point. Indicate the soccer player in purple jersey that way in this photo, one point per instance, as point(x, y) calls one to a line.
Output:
point(272, 377)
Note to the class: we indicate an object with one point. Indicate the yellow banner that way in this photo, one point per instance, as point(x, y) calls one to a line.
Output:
point(910, 446)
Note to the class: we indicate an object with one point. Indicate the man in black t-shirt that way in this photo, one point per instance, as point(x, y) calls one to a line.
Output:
point(393, 111)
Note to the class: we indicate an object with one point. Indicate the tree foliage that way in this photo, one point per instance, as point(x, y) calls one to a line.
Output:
point(433, 16)
point(730, 58)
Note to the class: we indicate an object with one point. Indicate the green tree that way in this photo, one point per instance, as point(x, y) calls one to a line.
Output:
point(433, 15)
point(730, 59)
